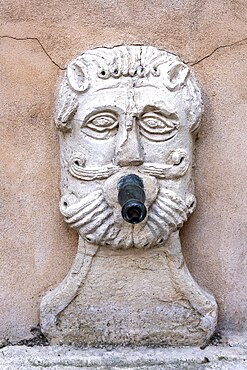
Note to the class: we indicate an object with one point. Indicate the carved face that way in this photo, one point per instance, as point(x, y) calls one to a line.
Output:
point(128, 125)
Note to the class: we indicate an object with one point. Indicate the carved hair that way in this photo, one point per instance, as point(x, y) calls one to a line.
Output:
point(126, 61)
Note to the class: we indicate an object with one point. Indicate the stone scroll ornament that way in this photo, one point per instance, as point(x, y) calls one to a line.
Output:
point(127, 118)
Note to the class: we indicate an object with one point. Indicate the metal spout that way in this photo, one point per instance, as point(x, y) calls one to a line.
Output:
point(131, 197)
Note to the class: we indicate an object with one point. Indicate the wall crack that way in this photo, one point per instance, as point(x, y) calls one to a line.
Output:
point(236, 43)
point(40, 44)
point(191, 63)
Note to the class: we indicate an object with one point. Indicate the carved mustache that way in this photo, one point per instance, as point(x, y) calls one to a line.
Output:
point(77, 169)
point(177, 164)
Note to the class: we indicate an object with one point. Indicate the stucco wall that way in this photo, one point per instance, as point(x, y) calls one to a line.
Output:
point(36, 42)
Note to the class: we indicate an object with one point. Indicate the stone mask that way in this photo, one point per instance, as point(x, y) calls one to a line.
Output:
point(127, 110)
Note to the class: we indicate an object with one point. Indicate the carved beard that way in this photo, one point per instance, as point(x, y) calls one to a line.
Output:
point(101, 224)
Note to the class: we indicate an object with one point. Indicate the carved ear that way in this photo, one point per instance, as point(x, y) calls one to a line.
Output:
point(77, 76)
point(176, 75)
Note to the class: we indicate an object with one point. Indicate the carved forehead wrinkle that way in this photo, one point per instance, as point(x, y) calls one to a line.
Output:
point(111, 83)
point(93, 101)
point(150, 96)
point(138, 97)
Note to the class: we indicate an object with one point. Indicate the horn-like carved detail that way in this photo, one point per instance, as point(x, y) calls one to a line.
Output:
point(176, 76)
point(78, 76)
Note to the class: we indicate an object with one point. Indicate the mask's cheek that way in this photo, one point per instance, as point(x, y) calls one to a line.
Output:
point(97, 151)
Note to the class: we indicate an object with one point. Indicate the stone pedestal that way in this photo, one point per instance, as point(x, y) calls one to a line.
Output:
point(128, 297)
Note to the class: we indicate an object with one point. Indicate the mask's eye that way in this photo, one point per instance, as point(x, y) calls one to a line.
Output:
point(101, 125)
point(155, 126)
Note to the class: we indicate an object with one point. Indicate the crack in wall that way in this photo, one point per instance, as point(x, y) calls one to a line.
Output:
point(191, 63)
point(40, 44)
point(236, 43)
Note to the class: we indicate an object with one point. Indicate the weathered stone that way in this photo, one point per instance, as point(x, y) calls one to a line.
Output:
point(128, 115)
point(58, 358)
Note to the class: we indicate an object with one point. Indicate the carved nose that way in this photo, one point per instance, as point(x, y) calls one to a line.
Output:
point(130, 152)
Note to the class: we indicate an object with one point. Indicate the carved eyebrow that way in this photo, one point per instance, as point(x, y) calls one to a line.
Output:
point(164, 112)
point(101, 110)
point(113, 86)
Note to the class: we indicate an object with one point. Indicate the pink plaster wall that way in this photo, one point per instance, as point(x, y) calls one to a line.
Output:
point(35, 39)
